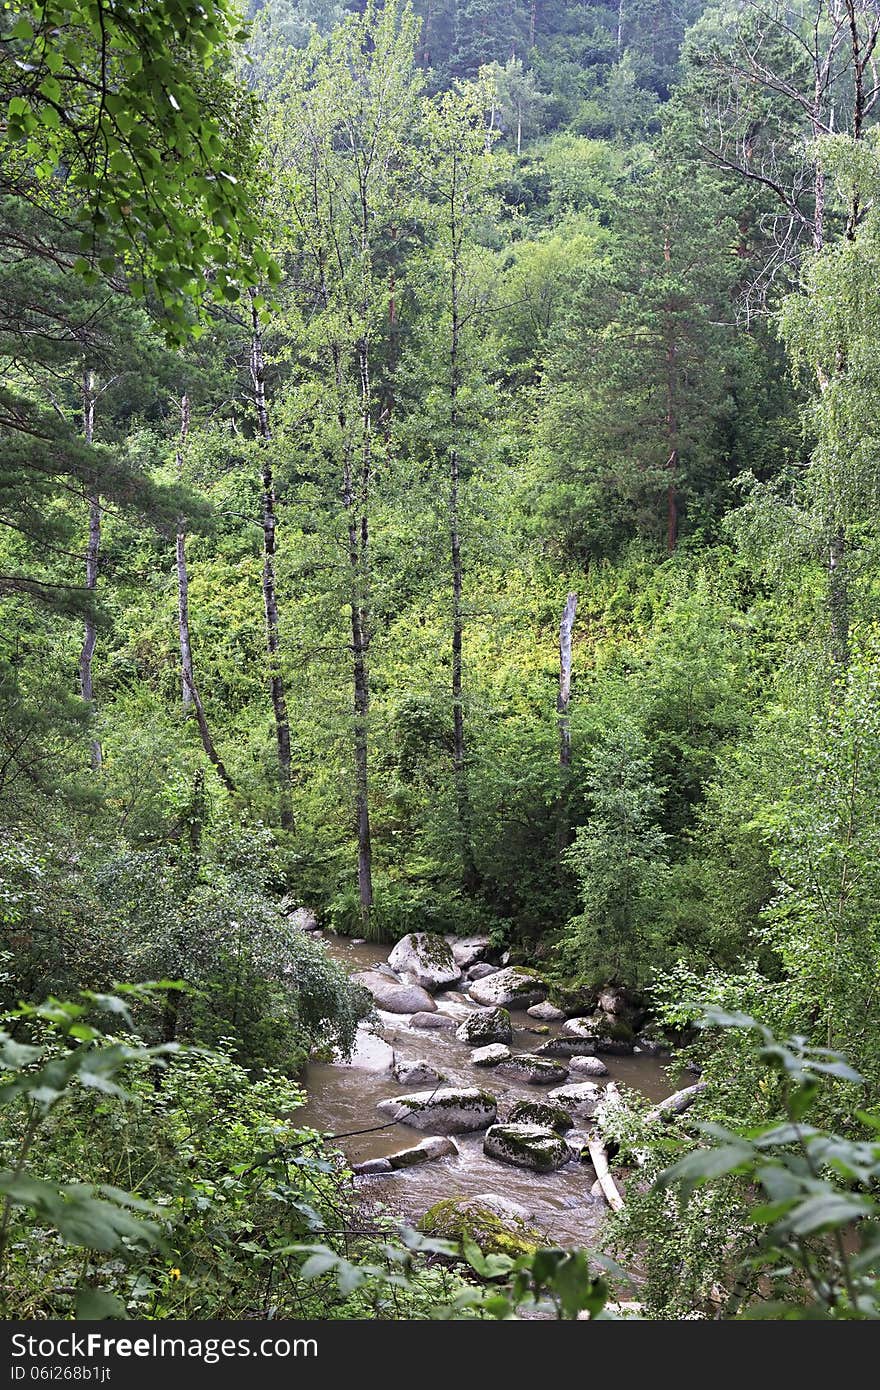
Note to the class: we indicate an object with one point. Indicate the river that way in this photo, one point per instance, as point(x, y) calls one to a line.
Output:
point(343, 1098)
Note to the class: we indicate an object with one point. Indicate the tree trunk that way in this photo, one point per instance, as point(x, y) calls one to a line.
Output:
point(358, 553)
point(92, 556)
point(838, 599)
point(270, 598)
point(562, 700)
point(671, 425)
point(470, 874)
point(186, 666)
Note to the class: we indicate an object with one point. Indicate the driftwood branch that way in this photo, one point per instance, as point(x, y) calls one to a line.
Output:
point(676, 1104)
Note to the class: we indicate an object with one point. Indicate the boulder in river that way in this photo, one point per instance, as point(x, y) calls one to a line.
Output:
point(370, 1052)
point(545, 1113)
point(497, 1226)
point(489, 1056)
point(526, 1146)
point(435, 1146)
point(428, 1020)
point(509, 987)
point(479, 972)
point(546, 1012)
point(566, 1047)
point(418, 1074)
point(427, 957)
point(394, 996)
point(468, 950)
point(615, 1047)
point(484, 1026)
point(586, 1066)
point(580, 1098)
point(580, 1028)
point(447, 1110)
point(303, 919)
point(538, 1071)
point(371, 1165)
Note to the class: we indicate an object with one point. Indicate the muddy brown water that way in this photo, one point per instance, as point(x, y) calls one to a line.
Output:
point(342, 1099)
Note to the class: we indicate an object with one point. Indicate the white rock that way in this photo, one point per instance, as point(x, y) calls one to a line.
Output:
point(586, 1066)
point(422, 1019)
point(447, 1110)
point(426, 957)
point(417, 1074)
point(370, 1052)
point(394, 997)
point(479, 972)
point(579, 1028)
point(467, 950)
point(508, 987)
point(436, 1146)
point(372, 1165)
point(489, 1056)
point(538, 1071)
point(580, 1099)
point(303, 919)
point(547, 1013)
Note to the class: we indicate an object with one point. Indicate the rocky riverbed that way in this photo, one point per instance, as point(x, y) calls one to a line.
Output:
point(476, 1096)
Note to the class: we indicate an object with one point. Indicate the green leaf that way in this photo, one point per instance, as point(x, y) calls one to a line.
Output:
point(94, 1305)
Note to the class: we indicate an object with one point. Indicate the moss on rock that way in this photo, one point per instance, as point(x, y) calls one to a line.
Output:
point(463, 1219)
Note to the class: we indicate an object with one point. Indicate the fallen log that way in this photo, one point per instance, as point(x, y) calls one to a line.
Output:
point(677, 1103)
point(599, 1159)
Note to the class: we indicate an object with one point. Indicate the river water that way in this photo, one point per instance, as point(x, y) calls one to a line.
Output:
point(342, 1099)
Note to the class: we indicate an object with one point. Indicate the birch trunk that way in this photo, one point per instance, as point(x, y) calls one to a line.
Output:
point(270, 597)
point(93, 549)
point(358, 552)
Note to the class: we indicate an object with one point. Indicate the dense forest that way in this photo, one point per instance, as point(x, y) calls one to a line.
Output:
point(439, 482)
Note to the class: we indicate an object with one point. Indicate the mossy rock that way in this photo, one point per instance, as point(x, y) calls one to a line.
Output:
point(463, 1219)
point(541, 1112)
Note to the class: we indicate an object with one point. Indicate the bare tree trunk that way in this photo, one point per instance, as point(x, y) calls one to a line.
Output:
point(205, 732)
point(92, 556)
point(186, 665)
point(470, 874)
point(562, 700)
point(270, 598)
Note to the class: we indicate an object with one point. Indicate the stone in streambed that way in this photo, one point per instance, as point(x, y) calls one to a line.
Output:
point(566, 1047)
point(467, 950)
point(577, 1141)
point(579, 1099)
point(483, 1026)
point(586, 1066)
point(418, 1074)
point(479, 972)
point(370, 1052)
point(303, 919)
point(544, 1113)
point(435, 1020)
point(393, 996)
point(538, 1071)
point(497, 1226)
point(489, 1056)
point(371, 1165)
point(526, 1146)
point(437, 1146)
point(579, 1028)
point(509, 987)
point(447, 1110)
point(545, 1011)
point(426, 957)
